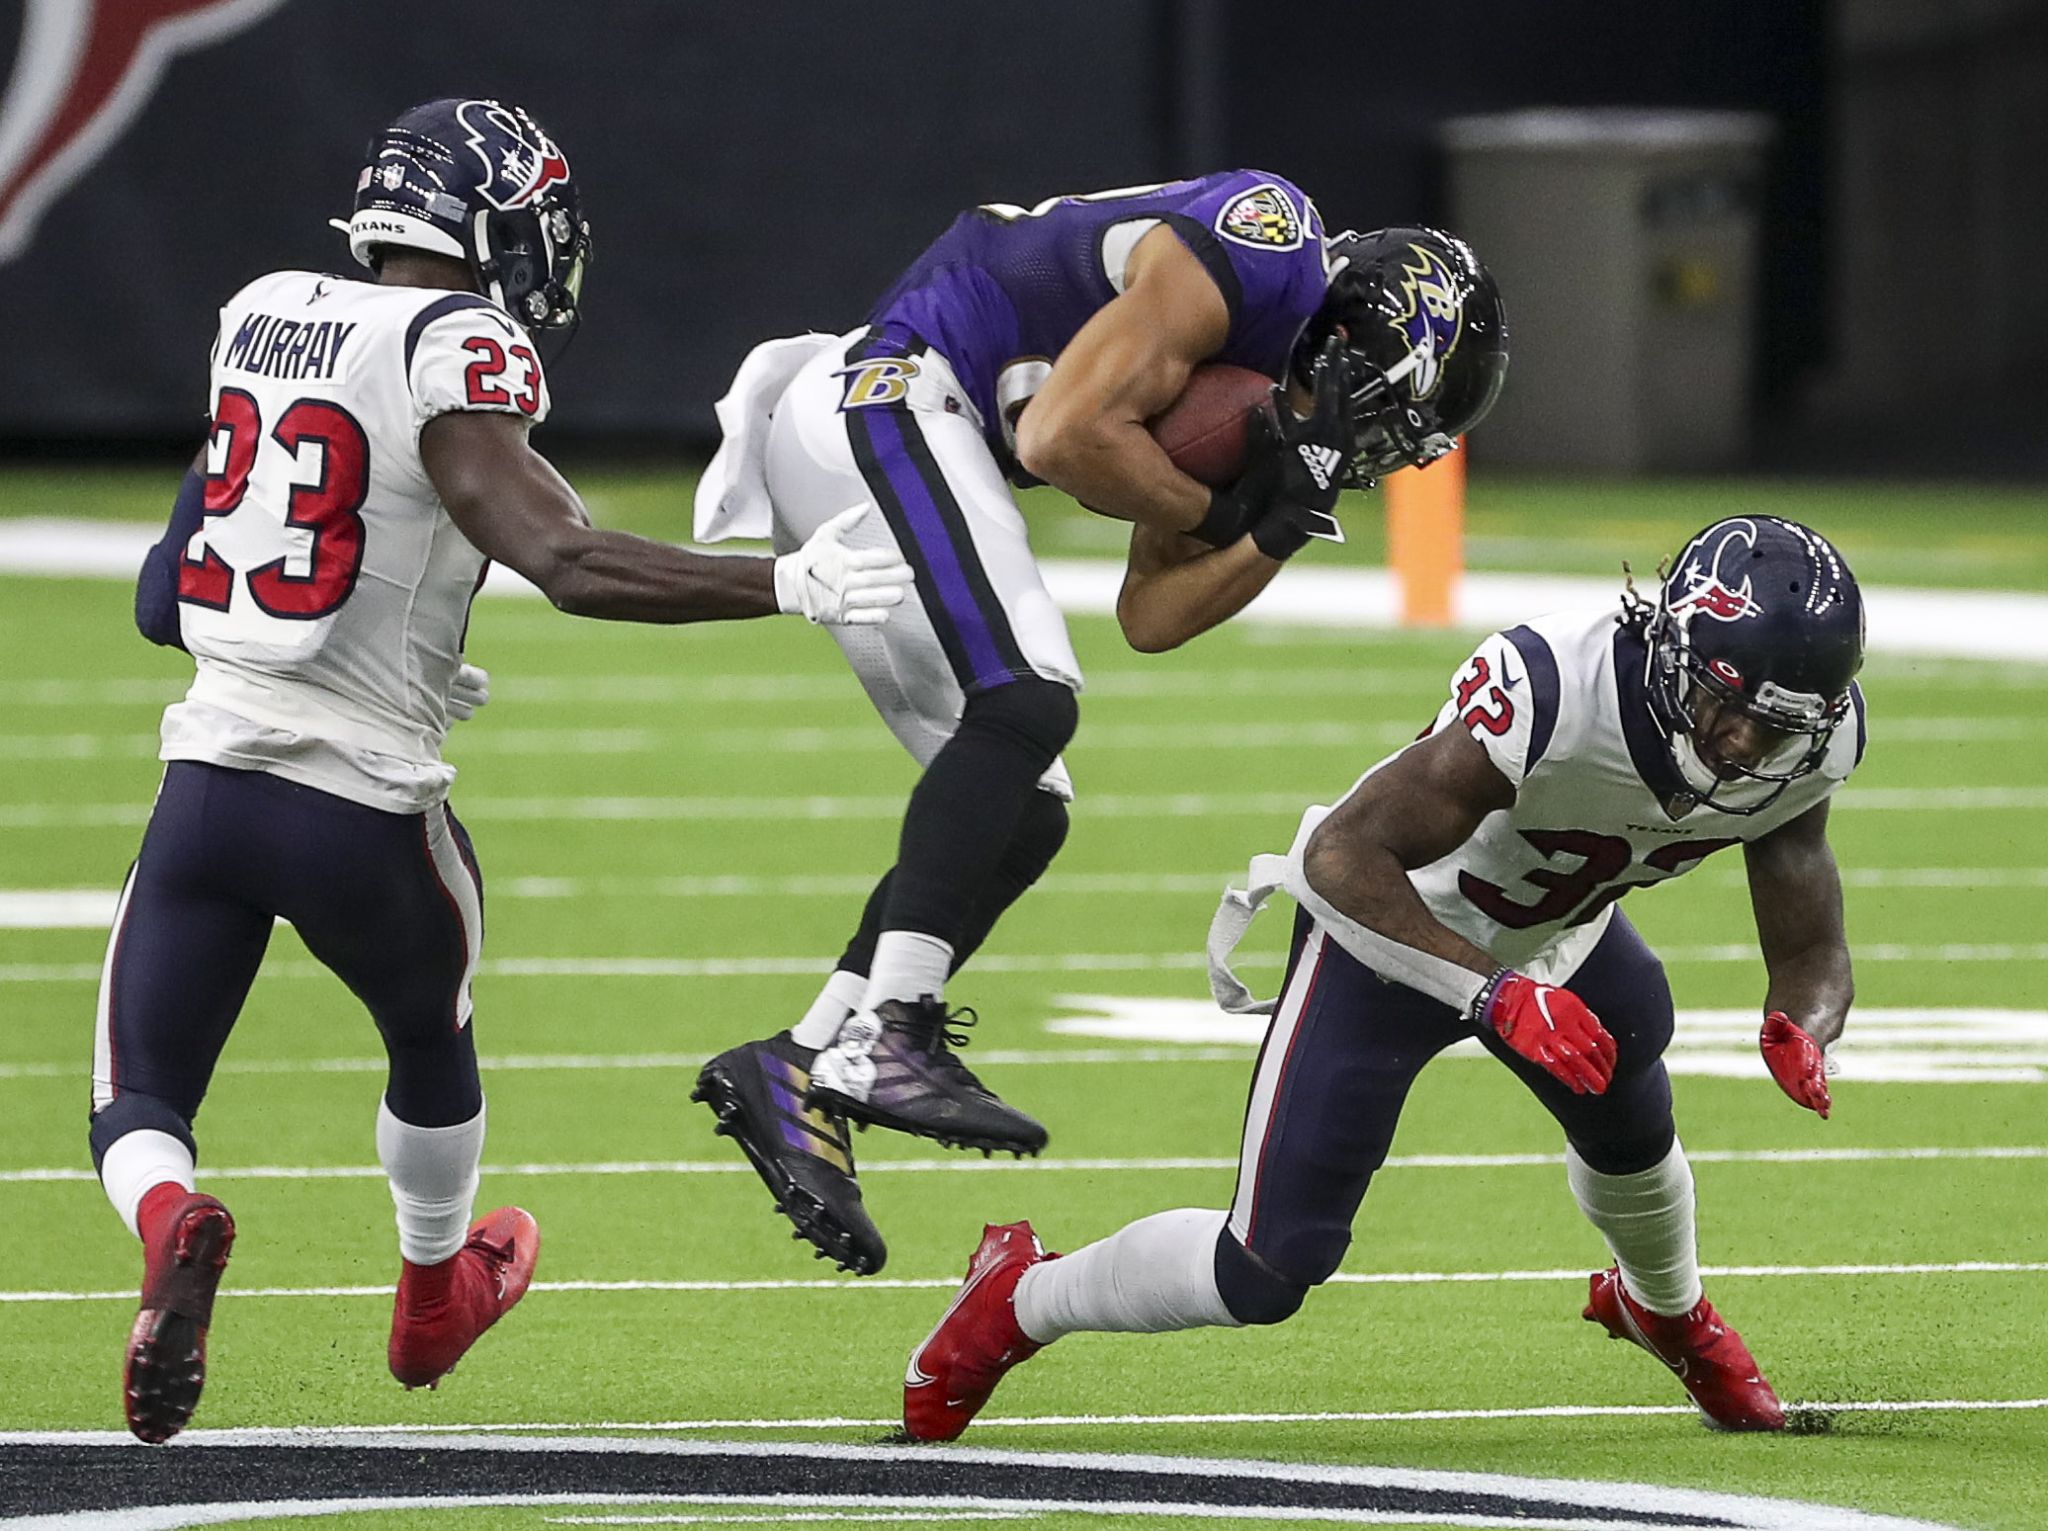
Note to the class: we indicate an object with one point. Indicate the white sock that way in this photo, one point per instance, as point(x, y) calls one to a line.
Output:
point(139, 1162)
point(433, 1174)
point(1156, 1275)
point(1647, 1220)
point(907, 965)
point(835, 1002)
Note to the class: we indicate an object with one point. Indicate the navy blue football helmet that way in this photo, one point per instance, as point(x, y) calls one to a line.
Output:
point(478, 180)
point(1425, 342)
point(1763, 616)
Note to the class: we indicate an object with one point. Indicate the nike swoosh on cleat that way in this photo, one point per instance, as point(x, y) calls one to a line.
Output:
point(915, 1375)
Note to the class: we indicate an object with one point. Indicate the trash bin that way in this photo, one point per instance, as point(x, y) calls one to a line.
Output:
point(1625, 244)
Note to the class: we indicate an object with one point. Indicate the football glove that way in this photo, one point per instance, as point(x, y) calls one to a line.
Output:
point(1294, 465)
point(470, 689)
point(1549, 1026)
point(829, 581)
point(1796, 1062)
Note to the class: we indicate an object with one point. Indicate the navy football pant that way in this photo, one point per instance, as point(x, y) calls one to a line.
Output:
point(1345, 1045)
point(392, 903)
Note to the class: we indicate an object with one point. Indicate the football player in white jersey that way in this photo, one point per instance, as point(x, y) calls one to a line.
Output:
point(1469, 885)
point(366, 460)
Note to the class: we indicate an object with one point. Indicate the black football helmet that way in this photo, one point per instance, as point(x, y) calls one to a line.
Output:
point(1761, 615)
point(478, 180)
point(1425, 341)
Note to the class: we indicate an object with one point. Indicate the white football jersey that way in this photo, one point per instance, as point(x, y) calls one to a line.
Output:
point(325, 596)
point(1560, 708)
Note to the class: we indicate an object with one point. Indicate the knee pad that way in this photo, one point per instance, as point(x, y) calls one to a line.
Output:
point(131, 1111)
point(1626, 1156)
point(1251, 1289)
point(1037, 714)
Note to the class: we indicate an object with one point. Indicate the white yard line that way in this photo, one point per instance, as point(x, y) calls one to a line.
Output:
point(260, 1434)
point(1071, 962)
point(1101, 805)
point(964, 1165)
point(93, 908)
point(1574, 1273)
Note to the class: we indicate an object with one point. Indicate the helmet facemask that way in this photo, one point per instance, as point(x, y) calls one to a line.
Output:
point(1688, 692)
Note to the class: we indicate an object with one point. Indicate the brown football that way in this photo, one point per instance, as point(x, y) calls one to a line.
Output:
point(1204, 430)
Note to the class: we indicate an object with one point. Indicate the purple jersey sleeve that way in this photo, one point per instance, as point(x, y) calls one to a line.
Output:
point(1267, 239)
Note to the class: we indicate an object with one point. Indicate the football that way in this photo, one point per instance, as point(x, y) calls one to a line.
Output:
point(1205, 430)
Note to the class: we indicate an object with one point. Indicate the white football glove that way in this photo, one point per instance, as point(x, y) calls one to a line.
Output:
point(830, 582)
point(470, 689)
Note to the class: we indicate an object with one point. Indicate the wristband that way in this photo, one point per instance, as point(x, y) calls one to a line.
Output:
point(1226, 521)
point(1278, 535)
point(1475, 1013)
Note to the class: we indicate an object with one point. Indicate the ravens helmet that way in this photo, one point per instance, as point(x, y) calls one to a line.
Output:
point(480, 181)
point(1425, 341)
point(1761, 616)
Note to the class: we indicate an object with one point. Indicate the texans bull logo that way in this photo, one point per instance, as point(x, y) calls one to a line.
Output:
point(1706, 591)
point(83, 71)
point(520, 161)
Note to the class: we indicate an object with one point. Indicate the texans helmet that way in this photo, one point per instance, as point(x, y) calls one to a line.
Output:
point(480, 181)
point(1425, 343)
point(1761, 615)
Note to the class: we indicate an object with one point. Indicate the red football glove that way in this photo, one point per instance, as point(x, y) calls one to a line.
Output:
point(1549, 1026)
point(1796, 1062)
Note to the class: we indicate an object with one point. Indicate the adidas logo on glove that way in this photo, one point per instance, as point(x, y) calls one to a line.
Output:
point(1322, 463)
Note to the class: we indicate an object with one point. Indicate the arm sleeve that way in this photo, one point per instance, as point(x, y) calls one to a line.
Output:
point(464, 353)
point(156, 587)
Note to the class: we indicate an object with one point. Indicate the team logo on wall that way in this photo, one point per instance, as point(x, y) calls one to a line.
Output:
point(1706, 591)
point(1264, 218)
point(520, 161)
point(1432, 317)
point(82, 72)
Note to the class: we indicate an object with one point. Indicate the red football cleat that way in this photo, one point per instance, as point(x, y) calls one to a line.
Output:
point(952, 1374)
point(444, 1309)
point(1707, 1356)
point(181, 1271)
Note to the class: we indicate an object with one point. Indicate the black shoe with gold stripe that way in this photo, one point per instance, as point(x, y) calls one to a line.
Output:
point(800, 1152)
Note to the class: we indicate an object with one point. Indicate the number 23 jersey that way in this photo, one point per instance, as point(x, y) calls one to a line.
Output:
point(325, 597)
point(1560, 708)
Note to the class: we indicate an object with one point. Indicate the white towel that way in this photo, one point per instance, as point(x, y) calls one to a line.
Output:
point(732, 496)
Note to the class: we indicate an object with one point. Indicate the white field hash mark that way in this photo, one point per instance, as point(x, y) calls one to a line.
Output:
point(1574, 1273)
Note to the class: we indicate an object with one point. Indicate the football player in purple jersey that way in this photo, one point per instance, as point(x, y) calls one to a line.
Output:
point(1026, 345)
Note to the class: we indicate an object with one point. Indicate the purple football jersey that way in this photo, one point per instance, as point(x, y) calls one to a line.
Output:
point(1007, 287)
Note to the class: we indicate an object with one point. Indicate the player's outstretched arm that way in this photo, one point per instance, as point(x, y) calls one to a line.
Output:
point(1418, 808)
point(517, 510)
point(1084, 430)
point(1795, 890)
point(156, 585)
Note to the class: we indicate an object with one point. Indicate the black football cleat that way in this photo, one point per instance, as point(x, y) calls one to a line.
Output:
point(799, 1150)
point(894, 1067)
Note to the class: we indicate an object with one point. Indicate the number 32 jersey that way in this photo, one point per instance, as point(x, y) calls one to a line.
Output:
point(325, 596)
point(1560, 708)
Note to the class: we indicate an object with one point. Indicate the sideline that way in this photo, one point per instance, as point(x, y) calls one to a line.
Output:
point(1956, 624)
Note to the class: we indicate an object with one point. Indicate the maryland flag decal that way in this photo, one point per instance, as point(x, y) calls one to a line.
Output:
point(1264, 218)
point(84, 68)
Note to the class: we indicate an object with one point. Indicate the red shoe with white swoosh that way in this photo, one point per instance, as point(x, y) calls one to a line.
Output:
point(1708, 1358)
point(952, 1374)
point(444, 1309)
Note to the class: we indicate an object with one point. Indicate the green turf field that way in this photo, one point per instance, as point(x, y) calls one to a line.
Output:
point(673, 828)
